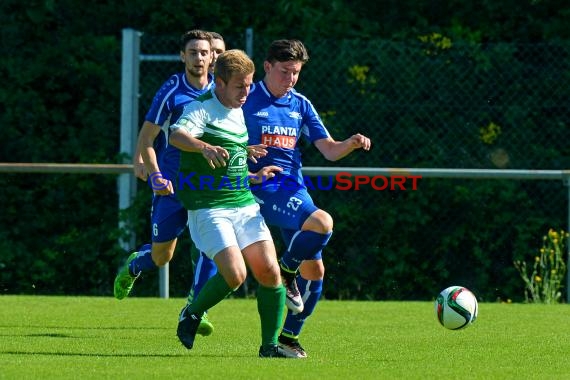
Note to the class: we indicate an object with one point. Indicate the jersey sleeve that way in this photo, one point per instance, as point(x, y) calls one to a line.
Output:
point(160, 108)
point(192, 120)
point(313, 128)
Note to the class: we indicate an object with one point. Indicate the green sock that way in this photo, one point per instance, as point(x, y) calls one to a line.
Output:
point(270, 306)
point(195, 256)
point(214, 290)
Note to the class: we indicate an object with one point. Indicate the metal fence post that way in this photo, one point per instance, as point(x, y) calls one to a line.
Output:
point(249, 42)
point(129, 121)
point(164, 281)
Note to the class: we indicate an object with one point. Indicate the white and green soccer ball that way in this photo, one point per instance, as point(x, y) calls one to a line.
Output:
point(456, 307)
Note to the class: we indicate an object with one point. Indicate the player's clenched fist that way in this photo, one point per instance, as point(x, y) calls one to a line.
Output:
point(359, 141)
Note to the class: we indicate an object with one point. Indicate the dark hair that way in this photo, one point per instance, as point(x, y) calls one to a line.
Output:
point(287, 50)
point(195, 34)
point(216, 36)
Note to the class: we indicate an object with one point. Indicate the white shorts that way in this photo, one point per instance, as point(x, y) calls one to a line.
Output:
point(214, 229)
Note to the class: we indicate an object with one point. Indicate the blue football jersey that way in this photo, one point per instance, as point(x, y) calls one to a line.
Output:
point(279, 123)
point(167, 106)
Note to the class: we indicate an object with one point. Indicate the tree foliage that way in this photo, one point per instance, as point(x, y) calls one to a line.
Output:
point(60, 102)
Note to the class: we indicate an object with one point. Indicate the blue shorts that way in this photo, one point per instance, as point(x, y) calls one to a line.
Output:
point(168, 218)
point(285, 208)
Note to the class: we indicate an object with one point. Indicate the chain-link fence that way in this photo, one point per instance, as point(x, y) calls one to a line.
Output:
point(430, 103)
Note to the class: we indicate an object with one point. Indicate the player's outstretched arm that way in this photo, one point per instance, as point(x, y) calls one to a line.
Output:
point(145, 148)
point(145, 152)
point(138, 166)
point(335, 150)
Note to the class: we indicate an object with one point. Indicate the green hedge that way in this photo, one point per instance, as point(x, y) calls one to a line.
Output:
point(60, 102)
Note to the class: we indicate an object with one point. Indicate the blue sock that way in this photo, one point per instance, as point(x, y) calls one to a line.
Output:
point(303, 246)
point(311, 292)
point(204, 269)
point(143, 262)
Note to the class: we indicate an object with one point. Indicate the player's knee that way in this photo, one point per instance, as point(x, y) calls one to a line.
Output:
point(162, 257)
point(162, 253)
point(270, 280)
point(235, 279)
point(312, 270)
point(269, 276)
point(320, 222)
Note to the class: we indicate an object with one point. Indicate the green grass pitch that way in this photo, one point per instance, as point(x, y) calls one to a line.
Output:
point(44, 337)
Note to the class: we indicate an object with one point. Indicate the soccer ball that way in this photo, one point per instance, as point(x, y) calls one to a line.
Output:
point(456, 307)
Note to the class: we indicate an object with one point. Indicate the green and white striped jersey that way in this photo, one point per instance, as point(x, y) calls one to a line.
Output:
point(198, 185)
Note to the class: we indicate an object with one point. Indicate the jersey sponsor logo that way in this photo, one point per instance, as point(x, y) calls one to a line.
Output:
point(279, 141)
point(278, 136)
point(237, 163)
point(278, 130)
point(262, 114)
